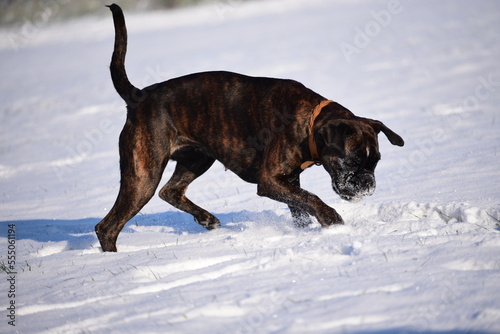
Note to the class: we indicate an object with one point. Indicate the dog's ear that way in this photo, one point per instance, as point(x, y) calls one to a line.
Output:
point(378, 126)
point(333, 135)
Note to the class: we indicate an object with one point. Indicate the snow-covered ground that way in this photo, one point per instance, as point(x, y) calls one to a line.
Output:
point(420, 255)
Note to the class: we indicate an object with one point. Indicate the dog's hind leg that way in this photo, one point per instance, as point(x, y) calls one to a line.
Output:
point(141, 169)
point(190, 165)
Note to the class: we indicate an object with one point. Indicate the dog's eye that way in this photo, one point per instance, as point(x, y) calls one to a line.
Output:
point(351, 163)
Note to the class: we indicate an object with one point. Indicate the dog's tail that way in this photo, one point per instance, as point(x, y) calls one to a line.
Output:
point(127, 91)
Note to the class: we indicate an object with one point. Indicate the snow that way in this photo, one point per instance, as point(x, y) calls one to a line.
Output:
point(420, 255)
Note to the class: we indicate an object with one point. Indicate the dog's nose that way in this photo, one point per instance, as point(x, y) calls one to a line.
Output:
point(367, 184)
point(363, 184)
point(367, 179)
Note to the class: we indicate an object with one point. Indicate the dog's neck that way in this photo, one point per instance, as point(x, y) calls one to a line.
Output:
point(313, 149)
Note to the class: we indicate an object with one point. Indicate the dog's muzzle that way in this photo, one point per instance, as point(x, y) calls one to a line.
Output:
point(353, 187)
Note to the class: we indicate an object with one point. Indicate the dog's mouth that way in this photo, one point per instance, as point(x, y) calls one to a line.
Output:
point(354, 187)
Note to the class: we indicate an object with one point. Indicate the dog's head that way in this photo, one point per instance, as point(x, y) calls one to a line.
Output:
point(349, 152)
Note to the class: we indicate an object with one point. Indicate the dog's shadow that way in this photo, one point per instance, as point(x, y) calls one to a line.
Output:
point(79, 233)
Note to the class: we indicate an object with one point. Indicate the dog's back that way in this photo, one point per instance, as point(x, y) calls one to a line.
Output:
point(232, 117)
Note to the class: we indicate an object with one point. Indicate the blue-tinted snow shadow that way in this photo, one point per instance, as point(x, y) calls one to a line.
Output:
point(79, 233)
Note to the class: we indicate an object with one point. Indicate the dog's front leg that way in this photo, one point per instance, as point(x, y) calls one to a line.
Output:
point(300, 217)
point(279, 188)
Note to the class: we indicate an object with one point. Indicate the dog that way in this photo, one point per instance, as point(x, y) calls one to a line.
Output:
point(265, 130)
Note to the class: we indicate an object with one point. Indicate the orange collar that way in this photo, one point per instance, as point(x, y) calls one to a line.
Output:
point(313, 149)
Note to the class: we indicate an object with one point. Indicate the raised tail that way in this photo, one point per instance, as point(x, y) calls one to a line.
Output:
point(127, 91)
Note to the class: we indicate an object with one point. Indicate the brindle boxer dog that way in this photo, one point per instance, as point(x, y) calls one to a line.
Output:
point(265, 130)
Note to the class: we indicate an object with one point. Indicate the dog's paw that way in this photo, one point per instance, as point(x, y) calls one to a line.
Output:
point(330, 217)
point(210, 222)
point(108, 244)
